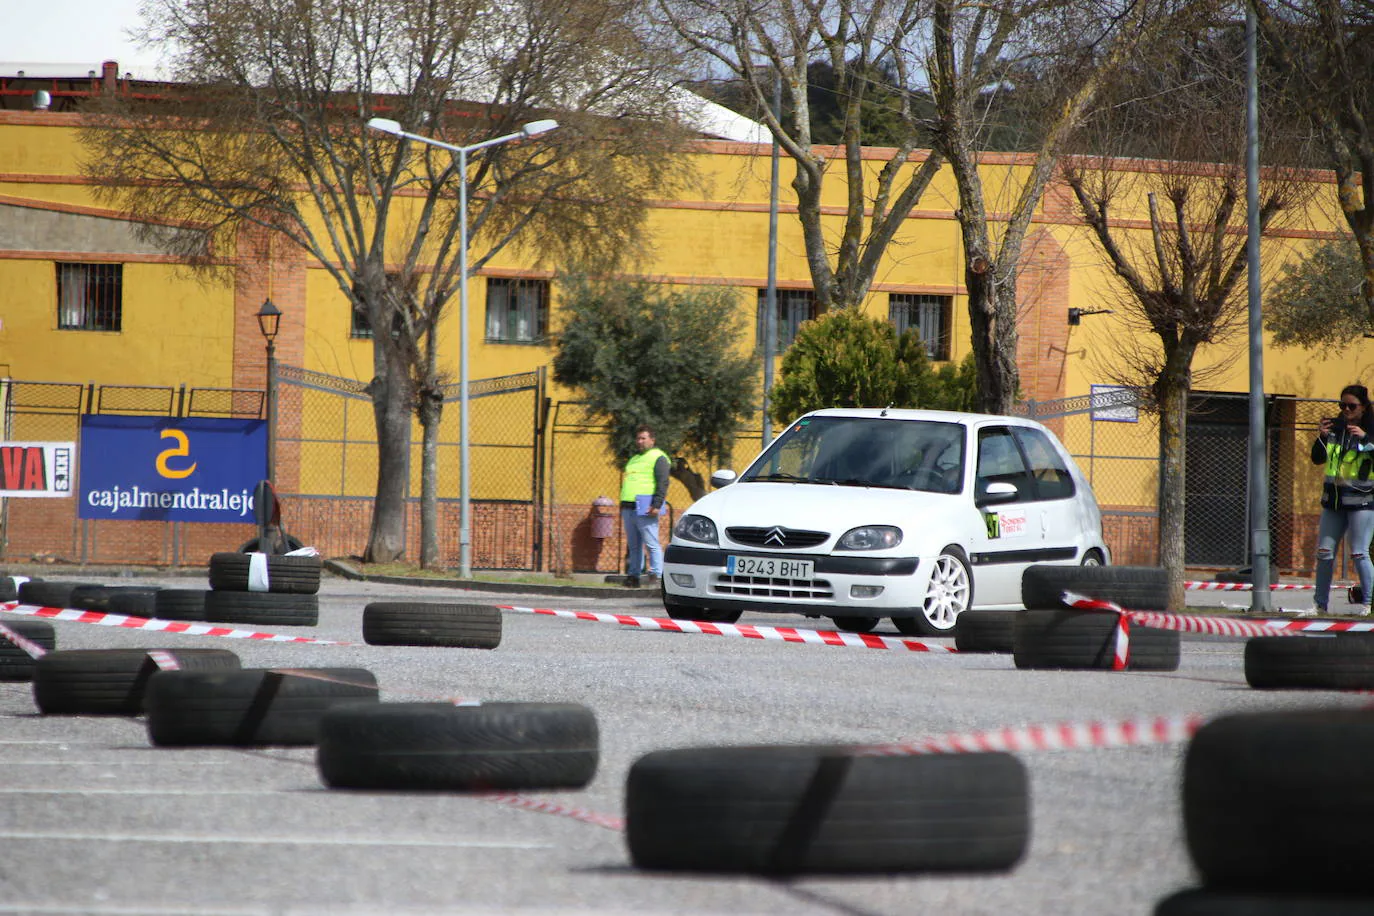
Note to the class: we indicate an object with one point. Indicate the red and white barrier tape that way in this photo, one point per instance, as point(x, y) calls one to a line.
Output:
point(610, 822)
point(28, 646)
point(164, 660)
point(1246, 586)
point(1064, 736)
point(158, 625)
point(1221, 626)
point(784, 634)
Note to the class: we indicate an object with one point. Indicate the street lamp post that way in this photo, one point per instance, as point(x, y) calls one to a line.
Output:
point(388, 126)
point(269, 320)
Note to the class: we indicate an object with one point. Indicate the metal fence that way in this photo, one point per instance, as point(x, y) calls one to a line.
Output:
point(537, 468)
point(327, 466)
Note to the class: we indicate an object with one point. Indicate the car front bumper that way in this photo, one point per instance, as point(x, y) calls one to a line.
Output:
point(696, 577)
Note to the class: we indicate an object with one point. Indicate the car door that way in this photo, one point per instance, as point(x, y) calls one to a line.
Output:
point(1056, 498)
point(1013, 531)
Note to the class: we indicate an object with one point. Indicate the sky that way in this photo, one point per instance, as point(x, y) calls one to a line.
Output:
point(84, 32)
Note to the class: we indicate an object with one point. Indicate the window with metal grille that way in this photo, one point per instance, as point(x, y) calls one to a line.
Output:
point(360, 326)
point(794, 307)
point(928, 316)
point(90, 297)
point(517, 310)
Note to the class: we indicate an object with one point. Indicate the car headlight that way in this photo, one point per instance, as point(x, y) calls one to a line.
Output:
point(697, 528)
point(870, 537)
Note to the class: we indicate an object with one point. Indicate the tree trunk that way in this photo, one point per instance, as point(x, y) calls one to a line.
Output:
point(1171, 393)
point(992, 315)
point(431, 409)
point(696, 486)
point(391, 408)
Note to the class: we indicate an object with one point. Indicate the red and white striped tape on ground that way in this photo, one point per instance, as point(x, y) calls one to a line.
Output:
point(609, 821)
point(158, 625)
point(1221, 626)
point(1247, 586)
point(164, 660)
point(28, 646)
point(784, 634)
point(1065, 736)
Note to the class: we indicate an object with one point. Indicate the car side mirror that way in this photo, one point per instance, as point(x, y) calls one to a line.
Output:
point(999, 492)
point(722, 478)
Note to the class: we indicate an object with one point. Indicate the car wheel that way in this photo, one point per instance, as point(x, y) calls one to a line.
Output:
point(855, 624)
point(1093, 558)
point(948, 595)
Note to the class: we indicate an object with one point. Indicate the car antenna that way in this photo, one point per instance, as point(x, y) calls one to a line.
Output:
point(886, 409)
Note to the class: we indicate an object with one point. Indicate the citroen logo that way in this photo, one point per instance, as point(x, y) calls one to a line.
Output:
point(775, 536)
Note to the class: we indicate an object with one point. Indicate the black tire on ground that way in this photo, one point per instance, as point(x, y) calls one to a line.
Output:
point(1087, 640)
point(793, 810)
point(15, 663)
point(985, 631)
point(285, 575)
point(268, 608)
point(443, 747)
point(180, 603)
point(110, 681)
point(134, 601)
point(47, 593)
point(249, 708)
point(1135, 588)
point(460, 626)
point(9, 591)
point(1344, 661)
point(1204, 902)
point(250, 545)
point(856, 624)
point(1280, 801)
point(89, 597)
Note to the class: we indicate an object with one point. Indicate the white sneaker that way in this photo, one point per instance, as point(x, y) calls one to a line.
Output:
point(1361, 611)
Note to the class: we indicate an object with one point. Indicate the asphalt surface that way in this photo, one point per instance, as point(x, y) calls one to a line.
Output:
point(93, 819)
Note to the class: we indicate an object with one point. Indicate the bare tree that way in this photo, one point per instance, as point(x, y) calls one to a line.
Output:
point(858, 39)
point(267, 130)
point(1180, 277)
point(1325, 48)
point(1055, 56)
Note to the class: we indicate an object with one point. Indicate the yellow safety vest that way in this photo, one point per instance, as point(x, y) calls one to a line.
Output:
point(639, 474)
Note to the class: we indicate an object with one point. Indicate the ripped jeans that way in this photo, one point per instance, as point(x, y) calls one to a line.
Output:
point(1357, 525)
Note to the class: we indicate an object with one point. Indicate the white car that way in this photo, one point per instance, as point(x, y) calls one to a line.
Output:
point(860, 514)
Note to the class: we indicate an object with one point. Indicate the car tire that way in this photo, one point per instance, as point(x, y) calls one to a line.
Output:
point(89, 597)
point(285, 575)
point(15, 663)
point(251, 545)
point(249, 708)
point(1254, 816)
point(180, 603)
point(444, 747)
point(47, 592)
point(856, 624)
point(948, 595)
point(1084, 640)
point(269, 608)
point(1208, 902)
point(133, 601)
point(985, 631)
point(458, 626)
point(9, 590)
point(110, 681)
point(1344, 661)
point(1135, 588)
point(678, 611)
point(796, 810)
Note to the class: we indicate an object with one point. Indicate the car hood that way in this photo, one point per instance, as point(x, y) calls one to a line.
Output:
point(817, 507)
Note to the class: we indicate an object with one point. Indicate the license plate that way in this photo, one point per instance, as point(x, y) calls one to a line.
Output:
point(769, 567)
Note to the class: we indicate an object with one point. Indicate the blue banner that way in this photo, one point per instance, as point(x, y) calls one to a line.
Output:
point(182, 469)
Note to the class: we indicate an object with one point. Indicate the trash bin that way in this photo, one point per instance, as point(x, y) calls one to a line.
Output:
point(603, 517)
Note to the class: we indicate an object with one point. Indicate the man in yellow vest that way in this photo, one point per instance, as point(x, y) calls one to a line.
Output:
point(642, 490)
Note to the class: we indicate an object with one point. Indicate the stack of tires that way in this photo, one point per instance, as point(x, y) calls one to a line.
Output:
point(260, 588)
point(1276, 810)
point(1051, 634)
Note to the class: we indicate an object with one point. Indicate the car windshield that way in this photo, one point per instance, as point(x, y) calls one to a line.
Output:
point(866, 452)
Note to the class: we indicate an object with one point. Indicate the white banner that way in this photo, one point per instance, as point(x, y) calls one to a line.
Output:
point(37, 468)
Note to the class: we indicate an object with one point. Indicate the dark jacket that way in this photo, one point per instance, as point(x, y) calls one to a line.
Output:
point(1349, 460)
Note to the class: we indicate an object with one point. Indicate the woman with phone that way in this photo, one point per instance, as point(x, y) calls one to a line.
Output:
point(1344, 446)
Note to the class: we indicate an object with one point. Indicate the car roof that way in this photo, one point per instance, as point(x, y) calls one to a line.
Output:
point(938, 416)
